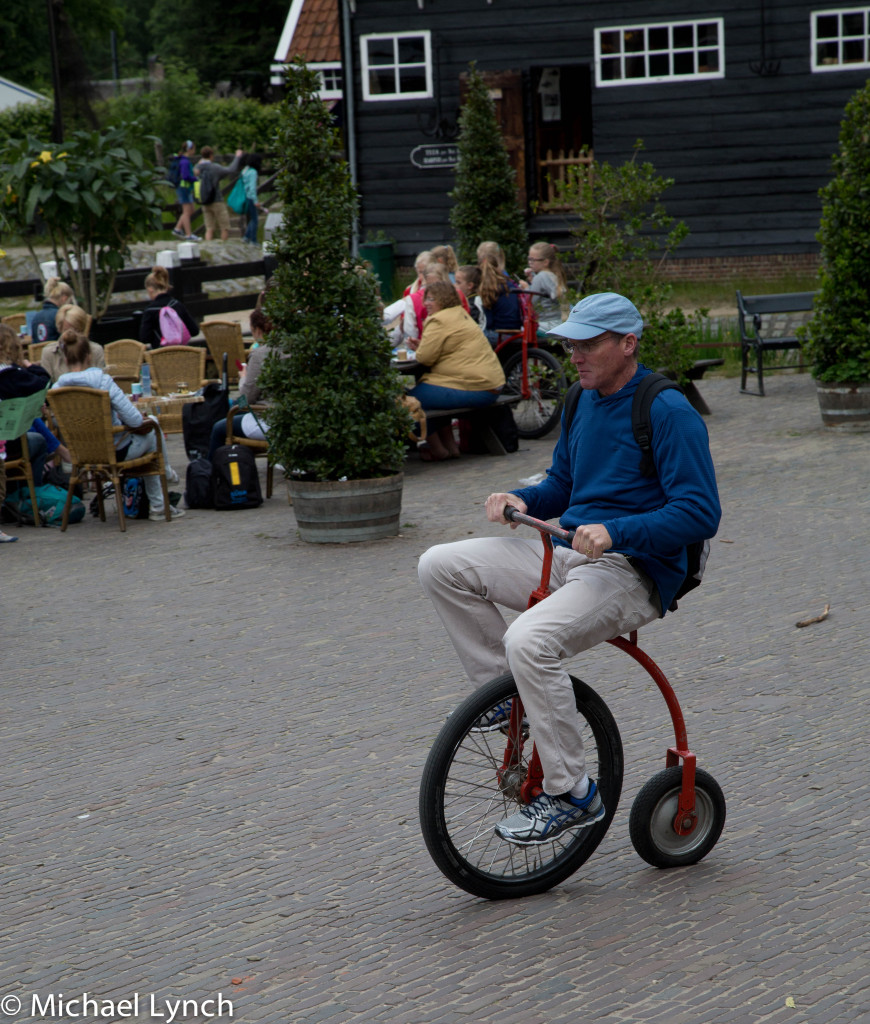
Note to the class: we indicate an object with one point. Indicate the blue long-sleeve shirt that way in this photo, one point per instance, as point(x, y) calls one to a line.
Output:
point(595, 478)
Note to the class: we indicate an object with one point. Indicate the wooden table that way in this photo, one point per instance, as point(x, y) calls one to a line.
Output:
point(167, 409)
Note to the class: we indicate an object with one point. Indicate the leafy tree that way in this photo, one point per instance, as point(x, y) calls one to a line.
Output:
point(623, 235)
point(837, 339)
point(91, 197)
point(25, 119)
point(334, 411)
point(485, 194)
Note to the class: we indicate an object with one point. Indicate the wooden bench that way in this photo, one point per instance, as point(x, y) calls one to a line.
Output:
point(759, 332)
point(481, 420)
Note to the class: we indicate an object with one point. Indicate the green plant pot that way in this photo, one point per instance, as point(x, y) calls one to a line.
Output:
point(347, 511)
point(845, 406)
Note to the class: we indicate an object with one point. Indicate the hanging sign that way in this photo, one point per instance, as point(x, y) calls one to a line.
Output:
point(435, 156)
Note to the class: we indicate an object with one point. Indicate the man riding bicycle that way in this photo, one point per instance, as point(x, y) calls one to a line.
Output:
point(625, 563)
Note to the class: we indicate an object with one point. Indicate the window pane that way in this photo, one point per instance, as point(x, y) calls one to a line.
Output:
point(380, 51)
point(412, 80)
point(853, 24)
point(382, 82)
point(827, 27)
point(684, 35)
point(827, 53)
point(708, 34)
point(708, 61)
point(610, 70)
point(853, 51)
point(658, 39)
point(412, 50)
point(659, 65)
point(610, 42)
point(684, 64)
point(633, 40)
point(635, 67)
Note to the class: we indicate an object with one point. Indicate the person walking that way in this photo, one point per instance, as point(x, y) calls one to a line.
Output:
point(214, 209)
point(184, 193)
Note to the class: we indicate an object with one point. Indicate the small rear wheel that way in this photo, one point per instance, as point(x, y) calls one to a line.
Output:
point(536, 415)
point(467, 788)
point(651, 822)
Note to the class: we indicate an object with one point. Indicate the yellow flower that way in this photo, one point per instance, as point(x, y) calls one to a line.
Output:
point(45, 156)
point(2, 254)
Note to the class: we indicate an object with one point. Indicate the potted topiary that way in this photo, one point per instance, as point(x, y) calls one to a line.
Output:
point(334, 420)
point(837, 339)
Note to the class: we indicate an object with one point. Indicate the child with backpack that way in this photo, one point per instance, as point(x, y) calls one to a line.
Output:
point(180, 174)
point(164, 320)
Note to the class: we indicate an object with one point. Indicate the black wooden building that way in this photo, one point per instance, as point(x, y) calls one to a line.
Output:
point(740, 103)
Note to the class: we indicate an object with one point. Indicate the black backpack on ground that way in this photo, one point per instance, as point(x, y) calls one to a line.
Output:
point(641, 426)
point(197, 418)
point(197, 484)
point(235, 482)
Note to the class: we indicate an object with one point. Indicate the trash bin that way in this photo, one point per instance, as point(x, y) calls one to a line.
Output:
point(380, 255)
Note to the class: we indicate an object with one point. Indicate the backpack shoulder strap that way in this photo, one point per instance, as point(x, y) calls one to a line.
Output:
point(572, 397)
point(641, 425)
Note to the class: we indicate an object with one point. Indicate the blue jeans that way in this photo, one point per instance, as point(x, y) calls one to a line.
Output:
point(219, 434)
point(253, 220)
point(433, 397)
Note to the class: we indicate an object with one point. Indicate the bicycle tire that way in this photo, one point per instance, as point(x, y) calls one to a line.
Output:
point(461, 799)
point(650, 823)
point(537, 415)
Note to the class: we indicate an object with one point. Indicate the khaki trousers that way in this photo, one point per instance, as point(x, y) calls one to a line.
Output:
point(592, 601)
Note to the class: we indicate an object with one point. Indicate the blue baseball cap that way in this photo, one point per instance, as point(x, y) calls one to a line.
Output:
point(603, 311)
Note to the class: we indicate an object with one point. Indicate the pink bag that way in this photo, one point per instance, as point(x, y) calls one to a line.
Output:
point(173, 330)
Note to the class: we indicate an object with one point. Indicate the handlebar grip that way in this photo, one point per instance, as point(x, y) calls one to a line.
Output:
point(513, 515)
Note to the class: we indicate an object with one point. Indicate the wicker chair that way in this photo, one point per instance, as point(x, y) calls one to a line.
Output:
point(124, 360)
point(84, 416)
point(169, 367)
point(257, 447)
point(34, 350)
point(14, 320)
point(16, 415)
point(225, 336)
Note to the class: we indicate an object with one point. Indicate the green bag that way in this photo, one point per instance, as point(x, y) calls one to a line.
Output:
point(237, 200)
point(50, 501)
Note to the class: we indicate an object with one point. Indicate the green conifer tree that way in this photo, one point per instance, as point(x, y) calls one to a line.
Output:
point(334, 412)
point(485, 195)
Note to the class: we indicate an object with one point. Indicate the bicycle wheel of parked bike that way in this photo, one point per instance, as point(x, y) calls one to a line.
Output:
point(539, 413)
point(467, 788)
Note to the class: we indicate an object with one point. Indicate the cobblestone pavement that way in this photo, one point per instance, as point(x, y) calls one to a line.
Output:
point(214, 734)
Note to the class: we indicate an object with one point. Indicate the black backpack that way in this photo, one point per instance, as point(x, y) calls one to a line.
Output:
point(641, 426)
point(235, 482)
point(197, 484)
point(173, 172)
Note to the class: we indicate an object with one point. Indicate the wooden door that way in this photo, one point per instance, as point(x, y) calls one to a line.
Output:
point(506, 90)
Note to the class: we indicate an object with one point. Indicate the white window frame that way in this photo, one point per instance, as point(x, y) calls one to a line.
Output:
point(331, 79)
point(382, 97)
point(696, 76)
point(839, 39)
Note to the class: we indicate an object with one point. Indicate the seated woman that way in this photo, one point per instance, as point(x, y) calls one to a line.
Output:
point(463, 369)
point(18, 379)
point(246, 424)
point(468, 282)
point(500, 302)
point(545, 278)
point(415, 304)
point(128, 446)
point(158, 287)
point(43, 327)
point(69, 318)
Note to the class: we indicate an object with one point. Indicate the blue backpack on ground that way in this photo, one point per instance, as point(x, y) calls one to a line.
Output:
point(173, 171)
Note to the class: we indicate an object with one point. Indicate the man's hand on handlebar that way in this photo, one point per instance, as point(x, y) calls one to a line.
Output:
point(495, 506)
point(592, 540)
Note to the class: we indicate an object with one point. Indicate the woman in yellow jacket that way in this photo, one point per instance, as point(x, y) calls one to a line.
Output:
point(462, 370)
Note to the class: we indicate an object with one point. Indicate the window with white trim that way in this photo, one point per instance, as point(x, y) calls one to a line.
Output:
point(330, 80)
point(671, 52)
point(840, 39)
point(397, 66)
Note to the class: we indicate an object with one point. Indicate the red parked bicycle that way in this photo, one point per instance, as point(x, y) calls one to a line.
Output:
point(474, 778)
point(533, 373)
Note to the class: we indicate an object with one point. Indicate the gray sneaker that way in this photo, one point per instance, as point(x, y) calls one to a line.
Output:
point(157, 517)
point(548, 817)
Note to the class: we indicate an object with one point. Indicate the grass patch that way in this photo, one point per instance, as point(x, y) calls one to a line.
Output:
point(717, 294)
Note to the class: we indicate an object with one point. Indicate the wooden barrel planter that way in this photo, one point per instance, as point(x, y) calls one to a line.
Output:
point(845, 407)
point(347, 511)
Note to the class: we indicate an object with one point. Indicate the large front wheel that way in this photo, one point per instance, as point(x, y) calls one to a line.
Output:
point(542, 391)
point(474, 778)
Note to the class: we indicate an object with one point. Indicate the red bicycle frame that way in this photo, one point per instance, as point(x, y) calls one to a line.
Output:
point(528, 335)
point(686, 817)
